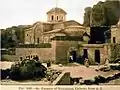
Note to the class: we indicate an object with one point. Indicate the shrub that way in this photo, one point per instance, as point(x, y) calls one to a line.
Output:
point(27, 69)
point(41, 45)
point(5, 73)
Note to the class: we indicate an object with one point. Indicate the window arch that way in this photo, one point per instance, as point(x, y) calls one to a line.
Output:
point(114, 40)
point(57, 18)
point(62, 17)
point(38, 40)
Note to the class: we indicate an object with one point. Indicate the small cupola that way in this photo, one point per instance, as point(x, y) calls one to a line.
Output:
point(56, 15)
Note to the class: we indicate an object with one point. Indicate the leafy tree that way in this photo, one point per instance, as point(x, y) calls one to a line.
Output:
point(27, 69)
point(11, 42)
point(14, 34)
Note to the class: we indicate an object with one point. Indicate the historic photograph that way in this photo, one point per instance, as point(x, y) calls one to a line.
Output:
point(60, 42)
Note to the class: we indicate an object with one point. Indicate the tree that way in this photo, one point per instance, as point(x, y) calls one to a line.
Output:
point(27, 69)
point(14, 34)
point(11, 43)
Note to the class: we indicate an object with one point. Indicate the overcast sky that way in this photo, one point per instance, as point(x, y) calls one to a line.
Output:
point(27, 12)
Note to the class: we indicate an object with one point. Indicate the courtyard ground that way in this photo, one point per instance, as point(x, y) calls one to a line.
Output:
point(76, 71)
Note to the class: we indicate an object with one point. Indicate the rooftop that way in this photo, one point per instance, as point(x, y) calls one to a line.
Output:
point(56, 10)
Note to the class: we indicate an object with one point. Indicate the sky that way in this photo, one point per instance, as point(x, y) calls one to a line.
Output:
point(27, 12)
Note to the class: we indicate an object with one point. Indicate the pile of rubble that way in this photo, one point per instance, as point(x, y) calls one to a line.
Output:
point(96, 81)
point(99, 79)
point(51, 75)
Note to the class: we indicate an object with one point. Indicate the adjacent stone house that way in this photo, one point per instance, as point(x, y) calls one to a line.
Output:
point(115, 33)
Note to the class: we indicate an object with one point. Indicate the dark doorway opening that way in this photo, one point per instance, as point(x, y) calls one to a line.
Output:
point(52, 17)
point(85, 53)
point(57, 17)
point(74, 55)
point(38, 40)
point(114, 40)
point(97, 56)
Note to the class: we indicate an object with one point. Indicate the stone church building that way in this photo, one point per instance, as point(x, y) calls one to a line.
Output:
point(56, 25)
point(72, 39)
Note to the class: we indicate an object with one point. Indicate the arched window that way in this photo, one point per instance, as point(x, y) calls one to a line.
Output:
point(38, 40)
point(62, 17)
point(114, 40)
point(57, 17)
point(52, 17)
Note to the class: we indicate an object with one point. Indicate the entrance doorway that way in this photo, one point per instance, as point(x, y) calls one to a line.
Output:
point(85, 53)
point(114, 40)
point(74, 55)
point(97, 56)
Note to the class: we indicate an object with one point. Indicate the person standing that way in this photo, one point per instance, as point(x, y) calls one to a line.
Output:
point(106, 62)
point(86, 63)
point(71, 59)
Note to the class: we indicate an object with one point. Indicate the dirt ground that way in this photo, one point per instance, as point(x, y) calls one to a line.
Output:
point(76, 71)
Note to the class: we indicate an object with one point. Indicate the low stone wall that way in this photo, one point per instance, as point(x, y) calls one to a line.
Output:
point(63, 79)
point(43, 53)
point(58, 52)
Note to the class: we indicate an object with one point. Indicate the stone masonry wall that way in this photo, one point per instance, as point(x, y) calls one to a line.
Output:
point(29, 36)
point(104, 51)
point(115, 32)
point(43, 53)
point(62, 49)
point(58, 53)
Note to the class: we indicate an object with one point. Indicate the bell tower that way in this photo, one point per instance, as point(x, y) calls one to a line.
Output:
point(56, 14)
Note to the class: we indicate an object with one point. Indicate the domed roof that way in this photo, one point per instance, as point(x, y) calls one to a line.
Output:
point(56, 10)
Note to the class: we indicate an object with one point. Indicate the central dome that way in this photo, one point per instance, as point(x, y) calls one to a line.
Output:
point(56, 10)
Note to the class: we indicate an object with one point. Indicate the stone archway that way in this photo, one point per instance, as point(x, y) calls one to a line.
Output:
point(72, 51)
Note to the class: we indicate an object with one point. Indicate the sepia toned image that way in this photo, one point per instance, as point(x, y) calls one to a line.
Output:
point(60, 42)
